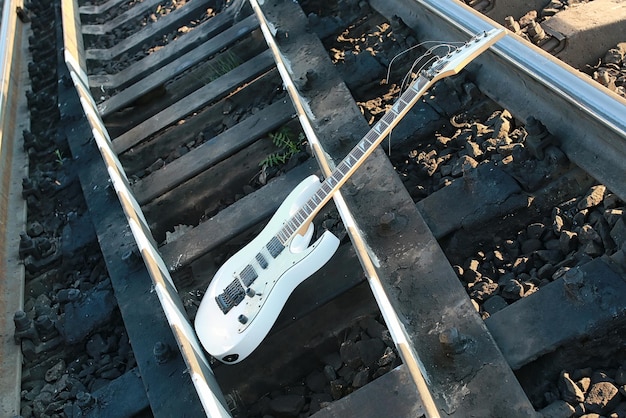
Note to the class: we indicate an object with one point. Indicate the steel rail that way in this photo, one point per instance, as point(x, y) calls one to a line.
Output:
point(210, 395)
point(13, 167)
point(396, 329)
point(587, 118)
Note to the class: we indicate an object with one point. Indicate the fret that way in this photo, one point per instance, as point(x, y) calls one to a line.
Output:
point(410, 93)
point(377, 128)
point(389, 118)
point(403, 103)
point(368, 140)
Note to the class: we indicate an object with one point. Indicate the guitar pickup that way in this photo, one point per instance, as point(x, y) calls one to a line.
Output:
point(275, 247)
point(248, 275)
point(260, 258)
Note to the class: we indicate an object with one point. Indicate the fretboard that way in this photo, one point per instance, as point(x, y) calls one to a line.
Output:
point(354, 159)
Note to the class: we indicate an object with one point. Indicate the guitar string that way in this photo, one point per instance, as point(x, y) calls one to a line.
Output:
point(429, 52)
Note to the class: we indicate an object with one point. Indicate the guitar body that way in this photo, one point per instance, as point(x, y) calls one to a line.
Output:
point(232, 336)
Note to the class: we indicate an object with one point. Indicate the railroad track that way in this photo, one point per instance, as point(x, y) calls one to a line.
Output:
point(188, 126)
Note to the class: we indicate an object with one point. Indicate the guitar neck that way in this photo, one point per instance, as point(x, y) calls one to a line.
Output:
point(354, 159)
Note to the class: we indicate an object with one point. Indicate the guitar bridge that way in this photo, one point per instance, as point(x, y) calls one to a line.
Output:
point(232, 296)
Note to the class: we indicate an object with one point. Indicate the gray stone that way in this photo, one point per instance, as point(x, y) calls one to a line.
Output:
point(581, 217)
point(593, 249)
point(520, 265)
point(329, 372)
point(613, 215)
point(361, 378)
point(570, 392)
point(620, 376)
point(316, 381)
point(483, 290)
point(546, 271)
point(557, 224)
point(513, 290)
point(568, 241)
point(618, 233)
point(602, 397)
point(557, 409)
point(584, 383)
point(319, 401)
point(611, 200)
point(337, 388)
point(55, 372)
point(350, 354)
point(494, 304)
point(620, 410)
point(531, 245)
point(471, 276)
point(593, 198)
point(588, 233)
point(82, 317)
point(371, 350)
point(550, 256)
point(333, 360)
point(287, 405)
point(473, 149)
point(373, 328)
point(96, 346)
point(535, 230)
point(463, 164)
point(388, 357)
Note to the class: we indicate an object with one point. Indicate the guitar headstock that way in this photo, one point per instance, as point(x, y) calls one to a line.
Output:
point(456, 60)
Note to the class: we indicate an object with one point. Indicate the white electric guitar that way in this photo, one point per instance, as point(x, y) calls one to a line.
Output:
point(248, 292)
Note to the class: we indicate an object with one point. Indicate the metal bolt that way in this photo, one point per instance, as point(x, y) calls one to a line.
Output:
point(22, 322)
point(162, 352)
point(24, 328)
point(453, 341)
point(129, 256)
point(390, 224)
point(386, 221)
point(84, 400)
